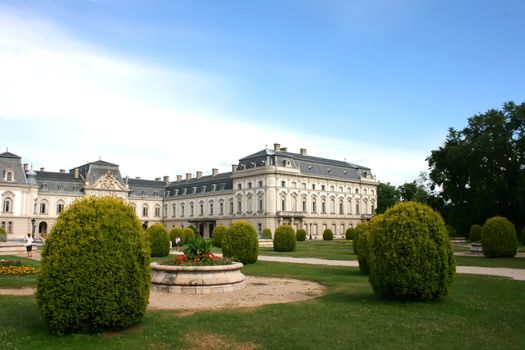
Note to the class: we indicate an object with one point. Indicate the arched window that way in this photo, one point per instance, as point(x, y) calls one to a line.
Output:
point(182, 209)
point(165, 213)
point(7, 205)
point(145, 211)
point(173, 210)
point(157, 211)
point(323, 206)
point(43, 206)
point(357, 206)
point(210, 206)
point(192, 209)
point(221, 207)
point(350, 211)
point(9, 176)
point(201, 206)
point(341, 207)
point(60, 206)
point(314, 205)
point(332, 205)
point(134, 207)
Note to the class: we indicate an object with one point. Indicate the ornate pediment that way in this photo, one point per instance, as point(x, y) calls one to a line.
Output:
point(107, 182)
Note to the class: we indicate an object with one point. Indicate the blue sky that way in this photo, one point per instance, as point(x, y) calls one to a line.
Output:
point(168, 87)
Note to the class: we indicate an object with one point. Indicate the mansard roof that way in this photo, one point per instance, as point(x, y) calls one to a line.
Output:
point(203, 184)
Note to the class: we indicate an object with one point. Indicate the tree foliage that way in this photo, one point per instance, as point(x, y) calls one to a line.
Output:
point(481, 169)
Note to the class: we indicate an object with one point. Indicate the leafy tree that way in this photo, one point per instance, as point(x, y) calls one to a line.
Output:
point(387, 196)
point(481, 169)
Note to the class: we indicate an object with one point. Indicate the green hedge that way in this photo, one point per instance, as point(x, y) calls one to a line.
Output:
point(475, 233)
point(284, 239)
point(498, 238)
point(328, 235)
point(300, 235)
point(349, 234)
point(266, 234)
point(159, 240)
point(241, 243)
point(410, 254)
point(218, 235)
point(189, 235)
point(94, 274)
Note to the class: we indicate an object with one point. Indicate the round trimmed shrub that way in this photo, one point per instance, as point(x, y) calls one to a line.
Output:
point(3, 235)
point(475, 233)
point(94, 274)
point(241, 243)
point(300, 235)
point(218, 235)
point(284, 239)
point(410, 254)
point(159, 240)
point(328, 235)
point(361, 227)
point(362, 243)
point(498, 238)
point(189, 235)
point(266, 234)
point(174, 233)
point(349, 234)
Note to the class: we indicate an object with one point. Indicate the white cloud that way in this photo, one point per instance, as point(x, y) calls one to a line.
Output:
point(151, 120)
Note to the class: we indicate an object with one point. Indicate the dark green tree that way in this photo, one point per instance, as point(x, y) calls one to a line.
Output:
point(387, 196)
point(481, 169)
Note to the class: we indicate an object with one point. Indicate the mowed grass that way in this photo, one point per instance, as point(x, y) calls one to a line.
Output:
point(481, 312)
point(332, 250)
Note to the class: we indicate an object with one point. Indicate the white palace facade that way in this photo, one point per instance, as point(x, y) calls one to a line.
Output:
point(268, 188)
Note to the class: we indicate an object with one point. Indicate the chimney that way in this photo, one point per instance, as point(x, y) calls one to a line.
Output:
point(234, 167)
point(214, 171)
point(166, 179)
point(62, 171)
point(199, 174)
point(42, 169)
point(188, 176)
point(303, 151)
point(25, 167)
point(179, 177)
point(157, 179)
point(76, 172)
point(284, 149)
point(137, 177)
point(277, 147)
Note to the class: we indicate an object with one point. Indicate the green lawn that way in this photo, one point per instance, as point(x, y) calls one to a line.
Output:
point(518, 263)
point(480, 313)
point(333, 250)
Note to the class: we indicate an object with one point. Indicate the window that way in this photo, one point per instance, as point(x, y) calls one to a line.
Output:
point(260, 184)
point(60, 207)
point(323, 187)
point(221, 208)
point(283, 183)
point(145, 210)
point(239, 186)
point(294, 184)
point(201, 211)
point(143, 193)
point(43, 207)
point(249, 204)
point(134, 207)
point(231, 207)
point(340, 189)
point(357, 207)
point(211, 208)
point(173, 210)
point(8, 226)
point(239, 206)
point(341, 207)
point(259, 229)
point(7, 206)
point(313, 186)
point(283, 204)
point(260, 205)
point(191, 209)
point(155, 194)
point(323, 206)
point(249, 185)
point(60, 187)
point(332, 206)
point(182, 209)
point(304, 185)
point(332, 188)
point(44, 187)
point(157, 211)
point(8, 175)
point(165, 213)
point(357, 190)
point(314, 205)
point(304, 205)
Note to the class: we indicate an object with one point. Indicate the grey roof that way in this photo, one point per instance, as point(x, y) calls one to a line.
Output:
point(9, 155)
point(204, 184)
point(93, 171)
point(146, 188)
point(58, 182)
point(308, 165)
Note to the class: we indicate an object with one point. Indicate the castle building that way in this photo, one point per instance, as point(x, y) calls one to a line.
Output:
point(268, 188)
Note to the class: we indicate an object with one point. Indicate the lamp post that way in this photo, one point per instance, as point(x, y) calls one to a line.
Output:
point(33, 227)
point(145, 225)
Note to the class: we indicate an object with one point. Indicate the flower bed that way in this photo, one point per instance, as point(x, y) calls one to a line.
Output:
point(14, 267)
point(207, 259)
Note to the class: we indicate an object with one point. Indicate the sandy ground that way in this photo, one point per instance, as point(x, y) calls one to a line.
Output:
point(259, 291)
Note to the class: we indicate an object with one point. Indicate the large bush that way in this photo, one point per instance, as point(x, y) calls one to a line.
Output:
point(410, 255)
point(159, 240)
point(328, 235)
point(475, 233)
point(498, 238)
point(218, 235)
point(241, 243)
point(189, 235)
point(94, 274)
point(3, 235)
point(362, 227)
point(284, 239)
point(300, 235)
point(174, 233)
point(362, 243)
point(349, 234)
point(266, 234)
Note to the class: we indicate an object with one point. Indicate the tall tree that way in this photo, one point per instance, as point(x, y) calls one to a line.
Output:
point(481, 169)
point(387, 196)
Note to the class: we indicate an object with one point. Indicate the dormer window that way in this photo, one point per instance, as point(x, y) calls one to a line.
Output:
point(44, 187)
point(203, 189)
point(9, 175)
point(60, 187)
point(156, 194)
